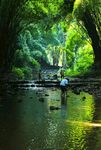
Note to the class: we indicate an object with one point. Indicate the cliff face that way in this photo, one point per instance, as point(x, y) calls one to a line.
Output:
point(6, 51)
point(10, 18)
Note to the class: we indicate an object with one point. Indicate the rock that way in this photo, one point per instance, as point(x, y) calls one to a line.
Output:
point(83, 98)
point(54, 89)
point(86, 90)
point(55, 76)
point(57, 100)
point(31, 97)
point(76, 92)
point(57, 108)
point(46, 94)
point(19, 101)
point(41, 99)
point(54, 108)
point(9, 92)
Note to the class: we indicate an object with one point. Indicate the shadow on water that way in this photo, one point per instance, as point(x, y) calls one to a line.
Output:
point(28, 123)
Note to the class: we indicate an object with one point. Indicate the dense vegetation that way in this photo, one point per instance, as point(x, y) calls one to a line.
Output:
point(60, 32)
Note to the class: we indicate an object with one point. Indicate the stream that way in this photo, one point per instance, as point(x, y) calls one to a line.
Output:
point(28, 123)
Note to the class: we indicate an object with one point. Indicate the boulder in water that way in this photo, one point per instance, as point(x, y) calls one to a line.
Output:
point(46, 94)
point(54, 108)
point(41, 99)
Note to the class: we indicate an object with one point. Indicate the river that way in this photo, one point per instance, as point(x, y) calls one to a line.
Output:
point(28, 123)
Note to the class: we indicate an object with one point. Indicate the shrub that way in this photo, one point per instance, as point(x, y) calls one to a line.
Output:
point(18, 72)
point(27, 72)
point(35, 64)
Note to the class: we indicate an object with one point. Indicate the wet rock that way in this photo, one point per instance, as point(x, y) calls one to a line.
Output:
point(54, 108)
point(19, 101)
point(46, 94)
point(41, 99)
point(86, 90)
point(83, 98)
point(36, 92)
point(33, 85)
point(76, 92)
point(9, 92)
point(54, 89)
point(55, 76)
point(31, 97)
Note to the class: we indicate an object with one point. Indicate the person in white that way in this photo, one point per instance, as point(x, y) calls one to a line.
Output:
point(64, 82)
point(63, 85)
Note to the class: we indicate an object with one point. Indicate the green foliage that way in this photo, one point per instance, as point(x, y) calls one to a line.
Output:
point(41, 10)
point(35, 44)
point(42, 37)
point(22, 58)
point(79, 51)
point(53, 45)
point(15, 17)
point(35, 64)
point(18, 72)
point(91, 7)
point(55, 39)
point(41, 33)
point(22, 73)
point(27, 72)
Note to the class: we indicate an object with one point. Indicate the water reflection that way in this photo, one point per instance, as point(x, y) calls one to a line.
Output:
point(63, 100)
point(27, 123)
point(74, 110)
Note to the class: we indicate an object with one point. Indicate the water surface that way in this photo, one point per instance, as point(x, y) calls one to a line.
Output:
point(27, 123)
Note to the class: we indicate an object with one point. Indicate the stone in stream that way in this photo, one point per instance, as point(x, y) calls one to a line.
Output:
point(54, 108)
point(55, 76)
point(54, 89)
point(57, 100)
point(83, 98)
point(86, 90)
point(46, 94)
point(39, 92)
point(10, 93)
point(31, 97)
point(41, 99)
point(76, 92)
point(19, 101)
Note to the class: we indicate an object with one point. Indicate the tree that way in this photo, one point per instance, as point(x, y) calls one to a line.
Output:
point(89, 11)
point(15, 15)
point(79, 51)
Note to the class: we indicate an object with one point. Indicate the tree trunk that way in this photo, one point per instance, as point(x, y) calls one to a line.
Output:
point(92, 31)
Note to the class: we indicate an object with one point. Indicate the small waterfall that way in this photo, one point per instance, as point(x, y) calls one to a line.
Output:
point(29, 85)
point(34, 86)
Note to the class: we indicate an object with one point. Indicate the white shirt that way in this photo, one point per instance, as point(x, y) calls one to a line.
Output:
point(64, 82)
